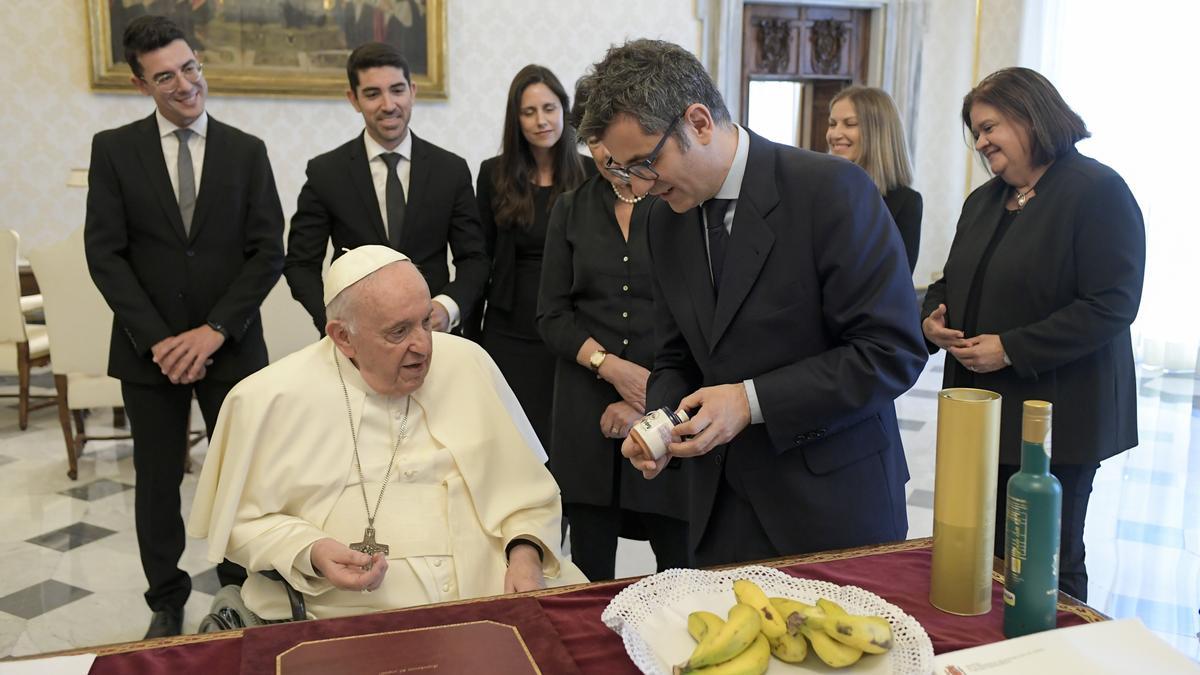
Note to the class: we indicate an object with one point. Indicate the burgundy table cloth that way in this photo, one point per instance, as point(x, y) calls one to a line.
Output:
point(562, 627)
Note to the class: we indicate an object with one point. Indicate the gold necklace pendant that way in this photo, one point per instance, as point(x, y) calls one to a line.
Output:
point(1023, 198)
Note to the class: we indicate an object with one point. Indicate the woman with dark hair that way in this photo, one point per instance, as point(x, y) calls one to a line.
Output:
point(537, 162)
point(864, 127)
point(1040, 287)
point(596, 246)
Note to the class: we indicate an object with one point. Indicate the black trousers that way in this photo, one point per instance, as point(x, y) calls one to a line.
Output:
point(594, 532)
point(158, 418)
point(734, 533)
point(1076, 480)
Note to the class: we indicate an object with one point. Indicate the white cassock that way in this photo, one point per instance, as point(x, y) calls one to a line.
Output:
point(467, 480)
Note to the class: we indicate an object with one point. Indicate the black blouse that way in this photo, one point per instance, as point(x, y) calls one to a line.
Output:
point(594, 283)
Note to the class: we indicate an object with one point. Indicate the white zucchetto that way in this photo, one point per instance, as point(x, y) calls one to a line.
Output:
point(356, 264)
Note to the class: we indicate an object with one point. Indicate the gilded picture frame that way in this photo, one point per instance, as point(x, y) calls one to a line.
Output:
point(272, 48)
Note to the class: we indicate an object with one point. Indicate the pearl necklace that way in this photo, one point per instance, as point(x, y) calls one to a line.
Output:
point(623, 198)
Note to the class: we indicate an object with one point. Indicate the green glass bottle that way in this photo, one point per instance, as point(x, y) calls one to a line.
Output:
point(1033, 522)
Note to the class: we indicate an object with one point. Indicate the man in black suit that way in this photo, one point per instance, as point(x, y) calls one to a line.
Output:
point(786, 321)
point(184, 238)
point(388, 187)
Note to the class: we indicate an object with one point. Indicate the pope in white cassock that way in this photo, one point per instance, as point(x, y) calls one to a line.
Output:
point(371, 474)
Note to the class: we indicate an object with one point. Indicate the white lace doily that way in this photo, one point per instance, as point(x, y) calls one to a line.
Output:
point(651, 618)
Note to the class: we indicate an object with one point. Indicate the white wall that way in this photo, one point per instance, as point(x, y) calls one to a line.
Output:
point(48, 113)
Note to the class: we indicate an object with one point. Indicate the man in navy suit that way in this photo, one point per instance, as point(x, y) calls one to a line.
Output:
point(786, 319)
point(184, 239)
point(387, 186)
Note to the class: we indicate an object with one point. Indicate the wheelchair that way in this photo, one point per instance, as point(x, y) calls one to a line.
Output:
point(229, 612)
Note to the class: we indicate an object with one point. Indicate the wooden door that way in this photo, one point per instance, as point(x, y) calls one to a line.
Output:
point(795, 58)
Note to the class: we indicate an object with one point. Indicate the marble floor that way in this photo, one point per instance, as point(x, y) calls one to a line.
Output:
point(70, 576)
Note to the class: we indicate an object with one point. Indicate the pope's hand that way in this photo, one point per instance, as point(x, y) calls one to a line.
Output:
point(346, 568)
point(524, 570)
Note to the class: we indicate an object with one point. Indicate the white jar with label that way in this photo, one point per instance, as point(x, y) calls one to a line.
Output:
point(652, 433)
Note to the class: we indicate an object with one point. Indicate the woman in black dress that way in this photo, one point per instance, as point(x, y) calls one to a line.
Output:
point(595, 314)
point(1041, 285)
point(538, 162)
point(864, 127)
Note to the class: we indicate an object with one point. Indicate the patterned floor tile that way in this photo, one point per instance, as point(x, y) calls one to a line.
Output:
point(97, 489)
point(206, 581)
point(71, 536)
point(921, 498)
point(1151, 477)
point(1158, 616)
point(40, 598)
point(1149, 533)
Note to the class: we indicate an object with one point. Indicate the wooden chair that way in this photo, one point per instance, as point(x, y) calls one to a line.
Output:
point(23, 346)
point(78, 319)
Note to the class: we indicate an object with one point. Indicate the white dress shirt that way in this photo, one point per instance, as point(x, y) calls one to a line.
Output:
point(379, 174)
point(731, 189)
point(170, 147)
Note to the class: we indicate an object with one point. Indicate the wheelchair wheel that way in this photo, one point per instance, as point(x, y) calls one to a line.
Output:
point(228, 612)
point(214, 623)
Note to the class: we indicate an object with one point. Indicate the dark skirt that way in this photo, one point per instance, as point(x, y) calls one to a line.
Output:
point(529, 369)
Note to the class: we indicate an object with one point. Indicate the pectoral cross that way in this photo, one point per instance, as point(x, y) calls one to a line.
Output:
point(368, 545)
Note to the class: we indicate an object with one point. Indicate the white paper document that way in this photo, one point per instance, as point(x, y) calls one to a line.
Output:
point(1116, 647)
point(78, 664)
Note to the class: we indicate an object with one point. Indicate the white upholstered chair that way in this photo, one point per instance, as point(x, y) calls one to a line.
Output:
point(23, 346)
point(78, 320)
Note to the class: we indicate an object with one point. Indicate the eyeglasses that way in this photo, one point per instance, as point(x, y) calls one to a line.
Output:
point(645, 168)
point(168, 83)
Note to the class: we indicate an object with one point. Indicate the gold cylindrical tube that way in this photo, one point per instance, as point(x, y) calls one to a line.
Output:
point(964, 500)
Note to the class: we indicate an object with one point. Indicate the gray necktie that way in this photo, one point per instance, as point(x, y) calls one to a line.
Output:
point(187, 180)
point(394, 199)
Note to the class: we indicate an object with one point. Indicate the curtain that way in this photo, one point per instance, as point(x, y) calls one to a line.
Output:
point(1126, 70)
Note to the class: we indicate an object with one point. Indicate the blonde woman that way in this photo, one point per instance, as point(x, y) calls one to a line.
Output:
point(864, 127)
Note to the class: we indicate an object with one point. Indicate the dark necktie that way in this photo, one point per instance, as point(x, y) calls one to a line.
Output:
point(394, 196)
point(187, 180)
point(718, 236)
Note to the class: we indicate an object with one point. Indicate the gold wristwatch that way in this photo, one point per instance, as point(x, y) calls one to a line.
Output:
point(596, 359)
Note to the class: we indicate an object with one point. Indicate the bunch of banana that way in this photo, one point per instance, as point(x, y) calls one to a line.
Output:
point(786, 646)
point(735, 646)
point(838, 638)
point(759, 626)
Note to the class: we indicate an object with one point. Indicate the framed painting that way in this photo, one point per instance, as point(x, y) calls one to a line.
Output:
point(279, 47)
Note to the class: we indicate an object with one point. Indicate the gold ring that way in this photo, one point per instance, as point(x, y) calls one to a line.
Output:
point(613, 431)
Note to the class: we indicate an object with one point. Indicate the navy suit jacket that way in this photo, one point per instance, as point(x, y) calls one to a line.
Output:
point(160, 281)
point(817, 307)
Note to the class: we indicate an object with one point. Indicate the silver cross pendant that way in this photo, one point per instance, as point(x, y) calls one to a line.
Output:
point(368, 545)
